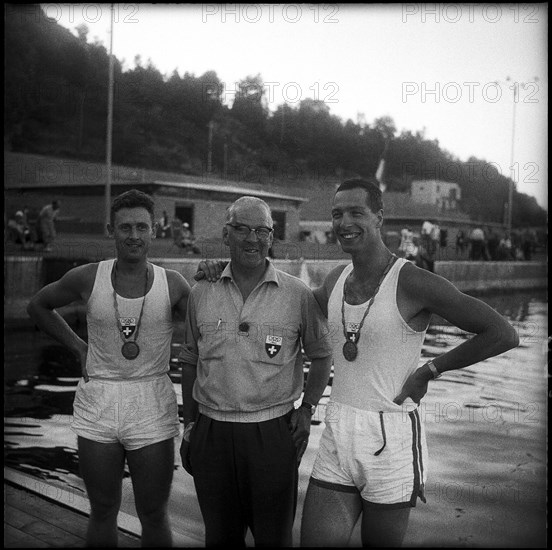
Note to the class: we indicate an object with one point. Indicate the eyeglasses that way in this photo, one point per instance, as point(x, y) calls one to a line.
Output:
point(243, 231)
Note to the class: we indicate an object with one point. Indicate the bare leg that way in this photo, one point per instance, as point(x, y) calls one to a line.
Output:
point(151, 470)
point(383, 527)
point(101, 467)
point(329, 516)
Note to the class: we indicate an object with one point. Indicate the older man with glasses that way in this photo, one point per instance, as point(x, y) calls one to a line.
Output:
point(242, 372)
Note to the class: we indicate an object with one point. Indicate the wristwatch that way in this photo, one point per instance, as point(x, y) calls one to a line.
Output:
point(436, 374)
point(308, 406)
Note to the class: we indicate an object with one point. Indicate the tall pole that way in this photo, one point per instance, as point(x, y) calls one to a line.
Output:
point(512, 167)
point(210, 149)
point(225, 158)
point(109, 128)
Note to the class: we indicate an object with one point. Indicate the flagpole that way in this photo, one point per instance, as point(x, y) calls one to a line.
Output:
point(109, 128)
point(511, 182)
point(381, 168)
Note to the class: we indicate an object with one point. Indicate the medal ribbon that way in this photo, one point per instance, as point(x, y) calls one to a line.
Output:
point(385, 271)
point(117, 315)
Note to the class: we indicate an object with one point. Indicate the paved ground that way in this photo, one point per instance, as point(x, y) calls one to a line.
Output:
point(31, 521)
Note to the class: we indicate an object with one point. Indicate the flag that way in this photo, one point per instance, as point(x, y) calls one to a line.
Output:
point(380, 172)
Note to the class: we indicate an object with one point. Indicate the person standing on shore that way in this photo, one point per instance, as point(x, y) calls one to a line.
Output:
point(242, 372)
point(428, 247)
point(460, 244)
point(125, 406)
point(478, 245)
point(371, 462)
point(46, 222)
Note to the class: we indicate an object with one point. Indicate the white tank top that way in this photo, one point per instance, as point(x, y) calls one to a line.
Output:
point(388, 349)
point(105, 339)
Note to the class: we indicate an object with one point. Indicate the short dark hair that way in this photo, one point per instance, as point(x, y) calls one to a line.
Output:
point(371, 186)
point(132, 199)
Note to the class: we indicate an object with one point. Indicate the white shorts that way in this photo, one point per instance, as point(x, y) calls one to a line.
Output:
point(382, 456)
point(133, 412)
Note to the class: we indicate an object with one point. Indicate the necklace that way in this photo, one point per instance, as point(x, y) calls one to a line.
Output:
point(350, 347)
point(128, 325)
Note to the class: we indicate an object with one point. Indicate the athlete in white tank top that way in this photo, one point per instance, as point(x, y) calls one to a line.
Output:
point(108, 332)
point(388, 349)
point(371, 462)
point(125, 405)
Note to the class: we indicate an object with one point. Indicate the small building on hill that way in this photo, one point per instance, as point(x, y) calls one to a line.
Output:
point(444, 195)
point(400, 211)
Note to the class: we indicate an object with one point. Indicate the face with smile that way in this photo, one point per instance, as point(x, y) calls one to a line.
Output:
point(133, 230)
point(354, 223)
point(247, 249)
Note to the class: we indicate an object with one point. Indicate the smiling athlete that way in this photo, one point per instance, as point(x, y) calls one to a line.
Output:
point(125, 406)
point(372, 458)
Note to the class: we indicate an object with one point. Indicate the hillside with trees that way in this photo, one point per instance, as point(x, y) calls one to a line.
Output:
point(56, 104)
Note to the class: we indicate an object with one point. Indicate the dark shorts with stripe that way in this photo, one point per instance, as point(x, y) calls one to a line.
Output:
point(381, 455)
point(245, 475)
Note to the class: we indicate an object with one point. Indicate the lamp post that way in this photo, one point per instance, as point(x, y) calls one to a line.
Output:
point(109, 129)
point(210, 148)
point(511, 179)
point(511, 182)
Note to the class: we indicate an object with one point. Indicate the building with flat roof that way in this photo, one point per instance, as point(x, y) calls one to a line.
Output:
point(34, 180)
point(444, 195)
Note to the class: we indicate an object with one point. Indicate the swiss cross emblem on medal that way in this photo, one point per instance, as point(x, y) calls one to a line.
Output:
point(128, 326)
point(352, 332)
point(273, 345)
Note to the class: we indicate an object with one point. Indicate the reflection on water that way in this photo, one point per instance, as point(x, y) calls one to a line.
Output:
point(40, 379)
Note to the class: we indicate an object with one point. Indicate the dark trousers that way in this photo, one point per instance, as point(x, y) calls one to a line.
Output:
point(245, 475)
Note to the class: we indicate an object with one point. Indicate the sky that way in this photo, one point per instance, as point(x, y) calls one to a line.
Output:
point(447, 70)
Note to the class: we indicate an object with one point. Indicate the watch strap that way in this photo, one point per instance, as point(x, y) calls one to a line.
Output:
point(308, 406)
point(436, 374)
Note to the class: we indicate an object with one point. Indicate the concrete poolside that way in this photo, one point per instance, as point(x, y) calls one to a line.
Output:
point(32, 521)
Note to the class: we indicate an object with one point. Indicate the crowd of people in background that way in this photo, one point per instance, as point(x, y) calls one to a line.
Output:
point(37, 230)
point(488, 244)
point(484, 243)
point(30, 229)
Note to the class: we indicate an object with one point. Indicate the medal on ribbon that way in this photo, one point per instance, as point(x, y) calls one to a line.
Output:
point(129, 326)
point(351, 331)
point(130, 350)
point(350, 348)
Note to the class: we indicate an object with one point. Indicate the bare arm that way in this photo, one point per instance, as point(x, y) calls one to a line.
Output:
point(188, 363)
point(493, 335)
point(179, 290)
point(188, 359)
point(189, 405)
point(317, 379)
point(73, 286)
point(322, 293)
